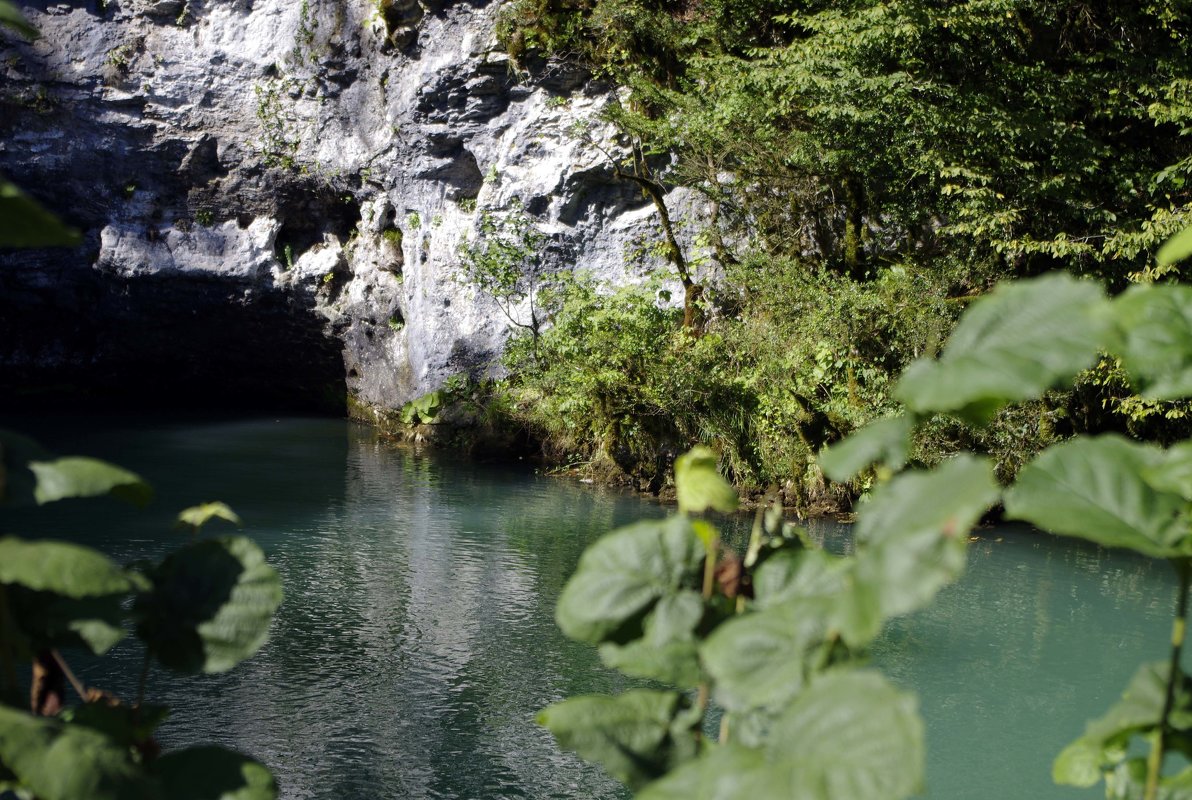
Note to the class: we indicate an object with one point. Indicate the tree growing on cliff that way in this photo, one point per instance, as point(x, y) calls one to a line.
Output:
point(505, 262)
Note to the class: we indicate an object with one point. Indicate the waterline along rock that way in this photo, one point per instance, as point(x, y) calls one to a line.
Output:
point(272, 195)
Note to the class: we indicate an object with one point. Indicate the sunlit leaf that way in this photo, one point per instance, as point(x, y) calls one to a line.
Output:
point(699, 484)
point(762, 659)
point(637, 736)
point(77, 476)
point(210, 606)
point(621, 576)
point(886, 441)
point(24, 223)
point(213, 773)
point(1175, 249)
point(912, 535)
point(1012, 344)
point(851, 734)
point(67, 569)
point(57, 761)
point(1093, 488)
point(791, 574)
point(196, 517)
point(728, 772)
point(825, 585)
point(1154, 338)
point(667, 650)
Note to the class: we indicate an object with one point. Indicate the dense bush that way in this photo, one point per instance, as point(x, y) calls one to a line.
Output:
point(618, 387)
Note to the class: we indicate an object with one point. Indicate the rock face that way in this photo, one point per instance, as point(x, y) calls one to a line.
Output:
point(273, 193)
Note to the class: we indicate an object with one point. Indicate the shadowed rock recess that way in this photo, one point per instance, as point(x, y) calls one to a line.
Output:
point(273, 193)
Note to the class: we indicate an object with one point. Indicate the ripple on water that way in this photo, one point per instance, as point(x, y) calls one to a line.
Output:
point(417, 639)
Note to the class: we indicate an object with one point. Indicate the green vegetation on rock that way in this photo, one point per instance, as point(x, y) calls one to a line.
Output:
point(869, 169)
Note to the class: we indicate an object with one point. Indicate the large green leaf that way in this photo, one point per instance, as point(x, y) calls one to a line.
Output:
point(1013, 344)
point(728, 772)
point(624, 573)
point(23, 222)
point(210, 605)
point(791, 574)
point(1093, 488)
point(699, 484)
point(1175, 249)
point(1154, 338)
point(886, 441)
point(57, 761)
point(67, 569)
point(849, 736)
point(1174, 474)
point(822, 584)
point(667, 651)
point(762, 659)
point(637, 736)
point(78, 476)
point(1105, 740)
point(912, 535)
point(10, 17)
point(213, 773)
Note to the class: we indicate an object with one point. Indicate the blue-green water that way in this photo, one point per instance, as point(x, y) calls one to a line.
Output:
point(416, 640)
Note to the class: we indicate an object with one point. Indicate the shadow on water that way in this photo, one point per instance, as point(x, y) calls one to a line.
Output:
point(417, 640)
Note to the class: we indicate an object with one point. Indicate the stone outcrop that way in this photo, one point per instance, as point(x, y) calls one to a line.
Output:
point(273, 193)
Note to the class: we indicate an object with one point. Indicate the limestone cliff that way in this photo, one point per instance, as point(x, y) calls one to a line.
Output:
point(273, 194)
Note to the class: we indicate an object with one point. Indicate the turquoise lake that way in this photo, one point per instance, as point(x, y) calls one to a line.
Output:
point(416, 640)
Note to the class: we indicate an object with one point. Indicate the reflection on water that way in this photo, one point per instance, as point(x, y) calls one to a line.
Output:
point(416, 641)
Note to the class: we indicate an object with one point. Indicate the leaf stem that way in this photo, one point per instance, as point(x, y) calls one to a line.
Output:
point(711, 554)
point(1179, 625)
point(75, 684)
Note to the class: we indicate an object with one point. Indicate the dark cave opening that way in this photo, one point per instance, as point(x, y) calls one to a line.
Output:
point(164, 343)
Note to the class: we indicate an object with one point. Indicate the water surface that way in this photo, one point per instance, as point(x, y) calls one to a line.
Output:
point(416, 640)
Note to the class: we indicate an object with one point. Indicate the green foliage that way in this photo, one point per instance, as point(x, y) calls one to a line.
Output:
point(1105, 489)
point(505, 262)
point(1020, 134)
point(615, 382)
point(801, 719)
point(1016, 137)
point(206, 607)
point(621, 577)
point(87, 477)
point(195, 517)
point(1011, 345)
point(210, 605)
point(699, 485)
point(422, 410)
point(280, 136)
